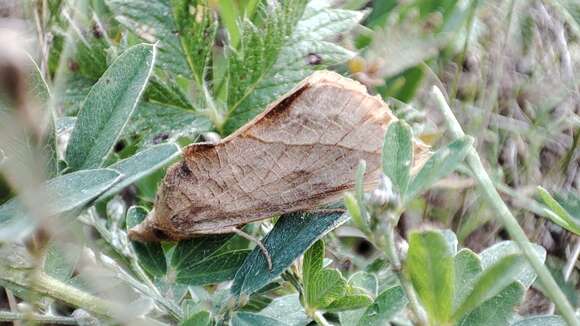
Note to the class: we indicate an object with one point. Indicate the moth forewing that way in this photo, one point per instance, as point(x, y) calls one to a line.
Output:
point(300, 153)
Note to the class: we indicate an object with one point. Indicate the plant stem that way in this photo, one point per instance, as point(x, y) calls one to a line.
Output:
point(391, 252)
point(54, 288)
point(506, 217)
point(319, 318)
point(8, 316)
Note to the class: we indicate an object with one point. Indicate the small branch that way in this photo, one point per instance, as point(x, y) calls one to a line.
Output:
point(391, 252)
point(8, 316)
point(319, 318)
point(506, 217)
point(54, 288)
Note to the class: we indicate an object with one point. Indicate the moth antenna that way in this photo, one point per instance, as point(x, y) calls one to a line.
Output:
point(258, 243)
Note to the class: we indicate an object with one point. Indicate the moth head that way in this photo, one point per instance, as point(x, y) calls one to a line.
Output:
point(148, 231)
point(168, 221)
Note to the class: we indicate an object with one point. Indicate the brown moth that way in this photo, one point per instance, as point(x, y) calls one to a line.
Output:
point(300, 153)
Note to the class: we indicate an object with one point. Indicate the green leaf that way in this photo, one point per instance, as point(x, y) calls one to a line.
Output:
point(288, 309)
point(213, 269)
point(192, 251)
point(360, 191)
point(142, 164)
point(541, 321)
point(61, 259)
point(293, 59)
point(495, 253)
point(491, 282)
point(312, 264)
point(354, 211)
point(151, 255)
point(290, 237)
point(559, 214)
point(498, 310)
point(327, 289)
point(23, 156)
point(184, 29)
point(253, 58)
point(467, 268)
point(108, 106)
point(430, 267)
point(326, 286)
point(349, 302)
point(251, 319)
point(385, 307)
point(365, 281)
point(441, 164)
point(39, 90)
point(201, 261)
point(155, 123)
point(398, 155)
point(59, 195)
point(202, 318)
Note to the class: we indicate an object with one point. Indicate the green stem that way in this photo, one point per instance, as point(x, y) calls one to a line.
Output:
point(319, 318)
point(54, 288)
point(8, 316)
point(391, 252)
point(506, 217)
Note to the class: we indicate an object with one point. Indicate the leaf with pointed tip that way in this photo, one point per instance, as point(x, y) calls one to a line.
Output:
point(288, 309)
point(385, 307)
point(108, 106)
point(142, 164)
point(559, 214)
point(192, 251)
point(441, 164)
point(151, 255)
point(242, 318)
point(498, 310)
point(307, 49)
point(552, 320)
point(349, 302)
point(201, 260)
point(467, 268)
point(495, 253)
point(59, 195)
point(398, 155)
point(290, 237)
point(490, 282)
point(202, 318)
point(213, 269)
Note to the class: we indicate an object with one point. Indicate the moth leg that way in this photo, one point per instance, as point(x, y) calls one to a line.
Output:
point(258, 243)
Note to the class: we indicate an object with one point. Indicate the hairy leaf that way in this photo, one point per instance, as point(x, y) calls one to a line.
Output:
point(430, 267)
point(490, 282)
point(497, 310)
point(305, 49)
point(398, 155)
point(288, 309)
point(553, 320)
point(385, 307)
point(185, 31)
point(213, 269)
point(559, 214)
point(142, 164)
point(495, 253)
point(59, 195)
point(299, 230)
point(441, 164)
point(202, 318)
point(108, 107)
point(467, 268)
